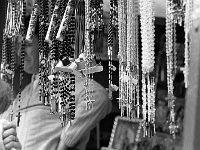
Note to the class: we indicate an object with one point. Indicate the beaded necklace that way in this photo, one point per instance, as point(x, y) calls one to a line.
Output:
point(128, 59)
point(132, 65)
point(174, 13)
point(88, 53)
point(22, 30)
point(112, 31)
point(43, 52)
point(14, 26)
point(8, 62)
point(68, 41)
point(147, 34)
point(122, 53)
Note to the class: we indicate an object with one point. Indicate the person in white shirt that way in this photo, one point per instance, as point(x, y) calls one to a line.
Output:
point(40, 130)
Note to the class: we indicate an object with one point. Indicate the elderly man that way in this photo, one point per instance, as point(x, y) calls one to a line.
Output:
point(40, 130)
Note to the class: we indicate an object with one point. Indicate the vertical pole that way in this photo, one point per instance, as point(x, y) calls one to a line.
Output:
point(192, 110)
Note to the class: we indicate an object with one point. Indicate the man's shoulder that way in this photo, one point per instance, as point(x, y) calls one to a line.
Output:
point(97, 85)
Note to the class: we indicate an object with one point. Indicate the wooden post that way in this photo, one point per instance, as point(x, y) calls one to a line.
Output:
point(192, 110)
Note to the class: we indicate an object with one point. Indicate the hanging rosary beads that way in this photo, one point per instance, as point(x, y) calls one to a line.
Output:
point(112, 34)
point(62, 94)
point(67, 49)
point(57, 82)
point(174, 15)
point(132, 65)
point(169, 54)
point(148, 59)
point(43, 52)
point(22, 32)
point(178, 11)
point(8, 49)
point(128, 58)
point(93, 24)
point(88, 53)
point(96, 15)
point(122, 54)
point(13, 37)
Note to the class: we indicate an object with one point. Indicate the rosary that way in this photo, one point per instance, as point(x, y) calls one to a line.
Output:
point(69, 28)
point(148, 59)
point(129, 102)
point(174, 15)
point(112, 33)
point(14, 27)
point(62, 94)
point(88, 54)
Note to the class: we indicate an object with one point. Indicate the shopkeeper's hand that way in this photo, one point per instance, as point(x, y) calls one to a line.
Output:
point(10, 139)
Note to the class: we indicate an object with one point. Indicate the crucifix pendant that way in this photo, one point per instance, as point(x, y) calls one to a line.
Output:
point(18, 118)
point(173, 129)
point(89, 104)
point(171, 99)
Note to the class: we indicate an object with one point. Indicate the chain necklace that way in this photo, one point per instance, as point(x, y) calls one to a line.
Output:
point(132, 71)
point(128, 58)
point(22, 32)
point(43, 52)
point(88, 52)
point(172, 17)
point(14, 26)
point(111, 33)
point(122, 54)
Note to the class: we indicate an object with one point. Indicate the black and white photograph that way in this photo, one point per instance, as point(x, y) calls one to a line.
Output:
point(99, 74)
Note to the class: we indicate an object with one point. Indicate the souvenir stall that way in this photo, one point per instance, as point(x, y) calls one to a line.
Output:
point(124, 45)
